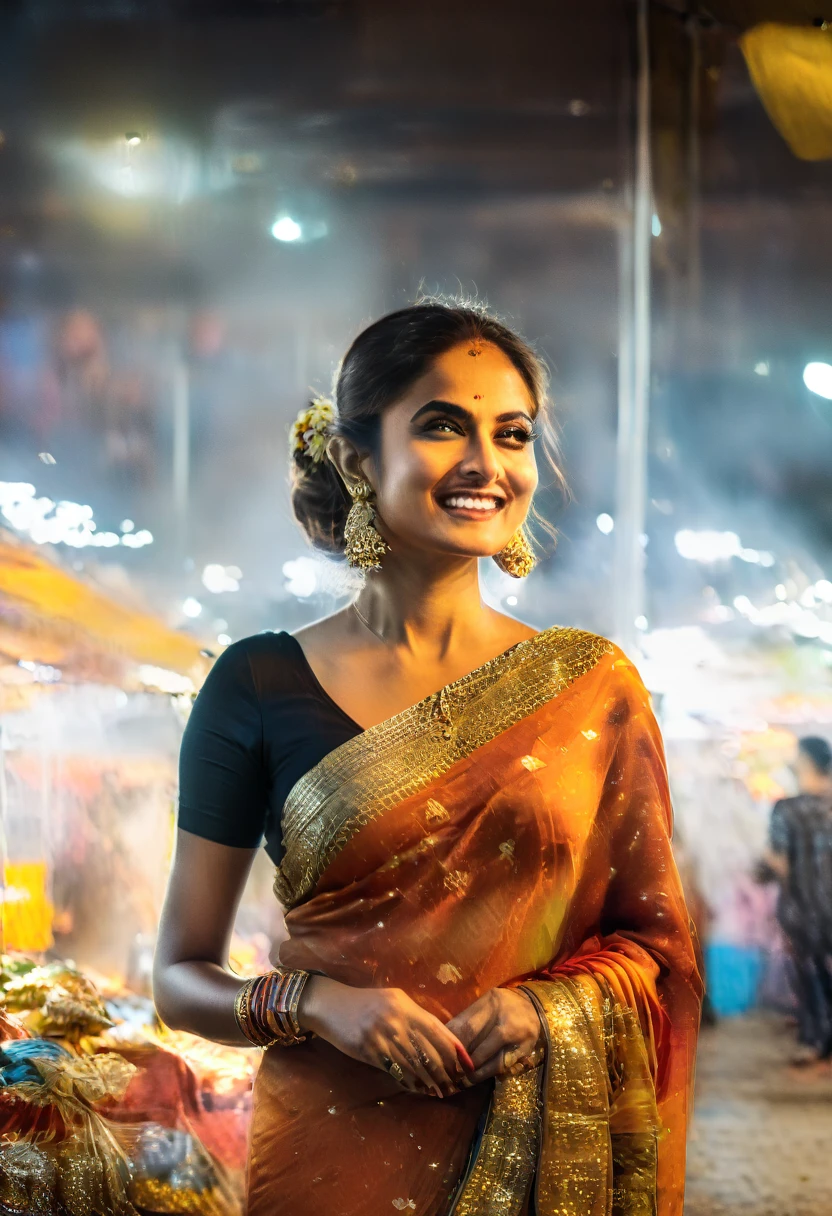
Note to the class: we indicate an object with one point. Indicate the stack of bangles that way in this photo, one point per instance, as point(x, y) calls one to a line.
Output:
point(266, 1008)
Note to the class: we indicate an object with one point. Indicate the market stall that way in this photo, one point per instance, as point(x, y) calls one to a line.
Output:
point(102, 1109)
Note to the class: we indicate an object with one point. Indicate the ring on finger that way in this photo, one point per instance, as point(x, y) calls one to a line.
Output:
point(419, 1052)
point(510, 1058)
point(396, 1072)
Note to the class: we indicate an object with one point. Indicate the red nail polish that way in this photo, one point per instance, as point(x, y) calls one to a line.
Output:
point(464, 1057)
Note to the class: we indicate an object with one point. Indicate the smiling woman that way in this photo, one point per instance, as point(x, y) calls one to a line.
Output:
point(422, 359)
point(489, 992)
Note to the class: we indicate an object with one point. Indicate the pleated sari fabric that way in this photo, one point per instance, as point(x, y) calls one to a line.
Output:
point(513, 829)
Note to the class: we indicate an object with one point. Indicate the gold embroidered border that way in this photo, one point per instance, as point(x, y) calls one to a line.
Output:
point(599, 1148)
point(575, 1167)
point(633, 1114)
point(500, 1177)
point(377, 769)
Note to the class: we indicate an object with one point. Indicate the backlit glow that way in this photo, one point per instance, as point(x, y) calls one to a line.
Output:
point(286, 229)
point(818, 379)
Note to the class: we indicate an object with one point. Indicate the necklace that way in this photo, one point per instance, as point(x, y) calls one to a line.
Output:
point(366, 623)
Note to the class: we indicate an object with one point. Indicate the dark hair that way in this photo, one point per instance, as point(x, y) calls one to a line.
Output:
point(380, 366)
point(818, 752)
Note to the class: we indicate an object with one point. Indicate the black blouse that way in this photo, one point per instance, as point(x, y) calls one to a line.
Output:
point(261, 720)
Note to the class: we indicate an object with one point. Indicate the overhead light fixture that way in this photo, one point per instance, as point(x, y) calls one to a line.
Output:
point(133, 139)
point(605, 523)
point(818, 379)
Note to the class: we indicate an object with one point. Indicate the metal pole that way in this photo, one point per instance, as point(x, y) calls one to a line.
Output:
point(634, 368)
point(694, 105)
point(181, 446)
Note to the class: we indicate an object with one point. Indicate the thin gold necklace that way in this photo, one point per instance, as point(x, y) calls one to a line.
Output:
point(366, 623)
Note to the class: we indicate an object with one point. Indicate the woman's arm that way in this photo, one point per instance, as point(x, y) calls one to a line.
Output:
point(194, 990)
point(193, 987)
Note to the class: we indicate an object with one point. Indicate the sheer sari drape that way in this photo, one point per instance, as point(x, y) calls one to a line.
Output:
point(511, 830)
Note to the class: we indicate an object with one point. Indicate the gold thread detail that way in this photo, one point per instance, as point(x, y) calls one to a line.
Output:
point(599, 1149)
point(435, 812)
point(376, 770)
point(574, 1175)
point(499, 1180)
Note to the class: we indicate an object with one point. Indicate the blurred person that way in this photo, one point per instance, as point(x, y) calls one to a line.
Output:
point(489, 983)
point(799, 856)
point(701, 913)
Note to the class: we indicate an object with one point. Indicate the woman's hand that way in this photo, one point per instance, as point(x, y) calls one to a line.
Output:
point(501, 1031)
point(385, 1028)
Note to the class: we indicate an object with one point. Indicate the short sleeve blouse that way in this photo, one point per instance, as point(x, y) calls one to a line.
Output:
point(261, 720)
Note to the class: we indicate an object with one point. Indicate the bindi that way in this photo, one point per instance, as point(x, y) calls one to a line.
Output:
point(478, 396)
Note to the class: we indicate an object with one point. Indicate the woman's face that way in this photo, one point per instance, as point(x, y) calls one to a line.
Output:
point(457, 470)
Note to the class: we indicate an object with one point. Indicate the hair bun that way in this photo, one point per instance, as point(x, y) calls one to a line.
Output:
point(319, 497)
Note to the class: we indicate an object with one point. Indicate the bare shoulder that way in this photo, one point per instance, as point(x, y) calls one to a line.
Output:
point(330, 635)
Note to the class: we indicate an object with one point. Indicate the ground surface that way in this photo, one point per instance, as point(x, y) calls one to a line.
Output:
point(761, 1143)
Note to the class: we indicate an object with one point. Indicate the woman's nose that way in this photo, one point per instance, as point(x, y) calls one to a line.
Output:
point(481, 460)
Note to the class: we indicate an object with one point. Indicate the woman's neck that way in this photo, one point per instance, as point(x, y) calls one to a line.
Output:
point(425, 609)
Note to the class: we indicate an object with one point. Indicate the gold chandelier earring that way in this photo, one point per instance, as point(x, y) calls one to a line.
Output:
point(517, 558)
point(364, 546)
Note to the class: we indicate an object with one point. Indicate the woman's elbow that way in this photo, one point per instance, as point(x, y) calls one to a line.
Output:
point(168, 1008)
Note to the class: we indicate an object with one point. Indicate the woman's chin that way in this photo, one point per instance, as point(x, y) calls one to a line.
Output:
point(453, 543)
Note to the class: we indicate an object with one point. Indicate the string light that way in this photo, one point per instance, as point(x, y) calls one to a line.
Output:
point(59, 523)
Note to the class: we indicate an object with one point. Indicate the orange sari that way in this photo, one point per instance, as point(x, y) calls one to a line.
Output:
point(512, 829)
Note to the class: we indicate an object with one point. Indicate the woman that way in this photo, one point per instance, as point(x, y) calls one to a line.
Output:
point(489, 997)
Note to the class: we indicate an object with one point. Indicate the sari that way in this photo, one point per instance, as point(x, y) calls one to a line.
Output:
point(512, 829)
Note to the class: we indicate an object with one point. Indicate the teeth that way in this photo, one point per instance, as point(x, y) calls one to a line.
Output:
point(476, 504)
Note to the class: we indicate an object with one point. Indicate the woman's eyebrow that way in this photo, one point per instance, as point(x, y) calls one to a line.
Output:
point(459, 412)
point(514, 414)
point(446, 407)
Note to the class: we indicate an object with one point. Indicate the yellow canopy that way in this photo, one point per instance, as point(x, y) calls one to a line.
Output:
point(791, 67)
point(48, 617)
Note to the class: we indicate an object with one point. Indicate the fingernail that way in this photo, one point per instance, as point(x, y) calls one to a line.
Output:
point(464, 1057)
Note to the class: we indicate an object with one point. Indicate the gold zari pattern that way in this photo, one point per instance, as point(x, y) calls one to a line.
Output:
point(597, 1088)
point(500, 1176)
point(575, 1165)
point(377, 769)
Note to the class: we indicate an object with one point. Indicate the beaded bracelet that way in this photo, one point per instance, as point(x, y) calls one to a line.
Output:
point(266, 1008)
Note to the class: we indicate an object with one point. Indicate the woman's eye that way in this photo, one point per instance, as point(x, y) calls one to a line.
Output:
point(517, 434)
point(443, 424)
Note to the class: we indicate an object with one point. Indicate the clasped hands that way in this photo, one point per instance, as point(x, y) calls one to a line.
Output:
point(500, 1033)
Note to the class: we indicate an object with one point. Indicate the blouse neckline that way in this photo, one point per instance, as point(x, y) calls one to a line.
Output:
point(446, 689)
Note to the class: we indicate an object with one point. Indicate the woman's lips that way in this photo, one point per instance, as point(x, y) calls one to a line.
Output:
point(471, 506)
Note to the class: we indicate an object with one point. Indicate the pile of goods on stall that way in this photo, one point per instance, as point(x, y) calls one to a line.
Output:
point(104, 1112)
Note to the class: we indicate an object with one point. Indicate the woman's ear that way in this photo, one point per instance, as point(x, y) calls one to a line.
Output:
point(349, 462)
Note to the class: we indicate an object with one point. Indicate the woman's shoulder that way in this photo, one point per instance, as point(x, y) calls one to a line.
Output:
point(570, 643)
point(580, 651)
point(248, 661)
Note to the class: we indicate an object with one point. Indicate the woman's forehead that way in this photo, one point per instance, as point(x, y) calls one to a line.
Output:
point(457, 374)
